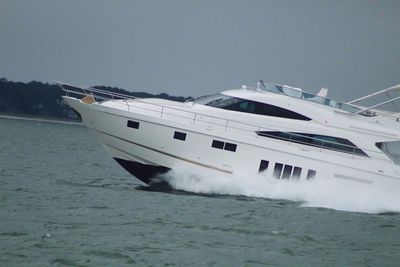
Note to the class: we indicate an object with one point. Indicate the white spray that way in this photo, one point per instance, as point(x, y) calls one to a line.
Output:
point(327, 193)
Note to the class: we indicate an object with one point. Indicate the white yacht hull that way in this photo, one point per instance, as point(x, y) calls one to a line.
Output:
point(151, 149)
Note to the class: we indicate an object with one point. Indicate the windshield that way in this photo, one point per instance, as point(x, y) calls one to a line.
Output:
point(249, 106)
point(205, 100)
point(391, 149)
point(298, 93)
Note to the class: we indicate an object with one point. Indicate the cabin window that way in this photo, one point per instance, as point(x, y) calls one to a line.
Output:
point(284, 172)
point(230, 147)
point(321, 141)
point(218, 144)
point(224, 146)
point(296, 173)
point(133, 124)
point(248, 106)
point(287, 171)
point(263, 165)
point(391, 149)
point(277, 170)
point(311, 174)
point(180, 136)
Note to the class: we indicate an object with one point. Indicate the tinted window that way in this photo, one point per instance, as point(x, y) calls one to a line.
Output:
point(248, 106)
point(391, 149)
point(180, 136)
point(296, 173)
point(287, 171)
point(311, 174)
point(263, 165)
point(322, 141)
point(218, 144)
point(277, 170)
point(230, 147)
point(133, 124)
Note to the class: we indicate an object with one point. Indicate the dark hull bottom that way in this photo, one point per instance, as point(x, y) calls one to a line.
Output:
point(145, 173)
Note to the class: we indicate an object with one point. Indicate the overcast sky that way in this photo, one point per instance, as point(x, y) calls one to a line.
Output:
point(200, 47)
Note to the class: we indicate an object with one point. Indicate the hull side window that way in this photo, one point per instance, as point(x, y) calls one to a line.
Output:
point(321, 141)
point(263, 166)
point(217, 144)
point(277, 170)
point(179, 136)
point(287, 171)
point(230, 147)
point(296, 173)
point(311, 174)
point(224, 145)
point(132, 124)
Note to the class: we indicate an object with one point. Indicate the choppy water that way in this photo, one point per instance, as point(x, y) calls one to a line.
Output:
point(65, 202)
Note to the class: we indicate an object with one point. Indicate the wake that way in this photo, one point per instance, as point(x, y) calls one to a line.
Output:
point(325, 193)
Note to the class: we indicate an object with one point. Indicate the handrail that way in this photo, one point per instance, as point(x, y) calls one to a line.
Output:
point(82, 91)
point(384, 91)
point(213, 121)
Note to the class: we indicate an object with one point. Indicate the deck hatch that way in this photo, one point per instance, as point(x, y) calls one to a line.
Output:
point(133, 124)
point(179, 136)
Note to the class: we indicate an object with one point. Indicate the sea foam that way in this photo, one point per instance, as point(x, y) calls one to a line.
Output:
point(327, 193)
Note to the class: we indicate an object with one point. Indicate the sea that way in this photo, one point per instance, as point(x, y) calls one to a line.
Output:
point(65, 202)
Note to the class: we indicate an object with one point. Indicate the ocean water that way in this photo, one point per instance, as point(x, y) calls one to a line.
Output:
point(65, 202)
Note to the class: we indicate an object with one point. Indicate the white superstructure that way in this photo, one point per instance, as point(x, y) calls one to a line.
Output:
point(272, 130)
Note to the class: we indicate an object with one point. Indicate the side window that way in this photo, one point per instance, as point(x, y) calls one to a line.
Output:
point(248, 106)
point(132, 124)
point(230, 147)
point(287, 171)
point(321, 141)
point(274, 111)
point(263, 165)
point(277, 170)
point(225, 146)
point(180, 136)
point(311, 174)
point(284, 171)
point(217, 144)
point(296, 173)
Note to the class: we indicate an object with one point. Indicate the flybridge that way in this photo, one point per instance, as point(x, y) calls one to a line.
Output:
point(300, 94)
point(349, 106)
point(286, 90)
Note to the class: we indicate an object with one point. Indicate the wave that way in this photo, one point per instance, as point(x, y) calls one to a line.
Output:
point(325, 193)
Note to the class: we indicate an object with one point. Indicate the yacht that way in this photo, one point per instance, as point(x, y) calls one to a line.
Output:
point(273, 130)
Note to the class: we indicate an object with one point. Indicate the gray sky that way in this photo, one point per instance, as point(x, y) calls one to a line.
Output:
point(200, 47)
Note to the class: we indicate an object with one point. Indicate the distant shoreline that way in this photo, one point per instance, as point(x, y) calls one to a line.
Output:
point(38, 119)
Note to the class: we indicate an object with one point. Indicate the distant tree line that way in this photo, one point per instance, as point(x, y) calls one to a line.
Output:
point(43, 99)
